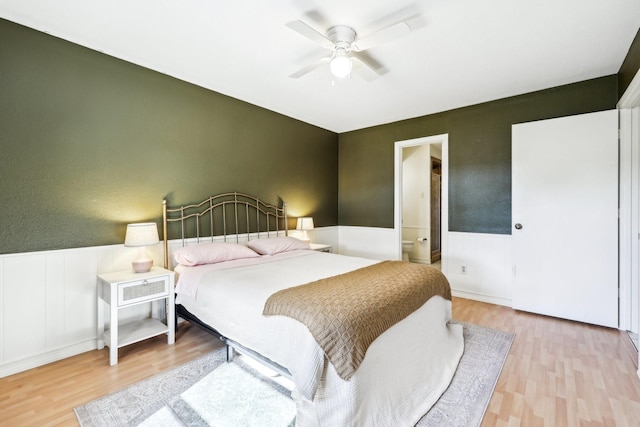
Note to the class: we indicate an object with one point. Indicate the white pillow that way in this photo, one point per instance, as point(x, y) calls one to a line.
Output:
point(277, 244)
point(211, 253)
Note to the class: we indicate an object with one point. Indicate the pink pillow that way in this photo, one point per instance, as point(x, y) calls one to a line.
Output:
point(277, 244)
point(211, 253)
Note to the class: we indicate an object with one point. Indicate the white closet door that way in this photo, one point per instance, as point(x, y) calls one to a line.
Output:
point(565, 217)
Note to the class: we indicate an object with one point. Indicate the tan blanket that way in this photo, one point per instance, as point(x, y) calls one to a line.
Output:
point(346, 313)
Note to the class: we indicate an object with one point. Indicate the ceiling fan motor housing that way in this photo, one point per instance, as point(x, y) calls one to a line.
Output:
point(342, 36)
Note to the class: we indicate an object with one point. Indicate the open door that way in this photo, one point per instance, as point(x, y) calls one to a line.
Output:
point(565, 217)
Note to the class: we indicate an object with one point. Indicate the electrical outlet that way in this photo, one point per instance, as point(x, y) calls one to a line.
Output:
point(463, 269)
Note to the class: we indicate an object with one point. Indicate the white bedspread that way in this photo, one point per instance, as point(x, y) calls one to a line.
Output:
point(403, 373)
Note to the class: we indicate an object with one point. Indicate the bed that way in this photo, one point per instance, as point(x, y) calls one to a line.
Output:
point(225, 288)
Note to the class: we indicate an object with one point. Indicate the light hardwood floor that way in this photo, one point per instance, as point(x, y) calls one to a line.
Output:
point(46, 396)
point(558, 373)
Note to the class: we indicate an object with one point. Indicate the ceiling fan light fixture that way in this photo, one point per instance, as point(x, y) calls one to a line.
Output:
point(341, 64)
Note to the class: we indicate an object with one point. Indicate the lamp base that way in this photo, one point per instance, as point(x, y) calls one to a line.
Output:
point(142, 266)
point(143, 261)
point(304, 237)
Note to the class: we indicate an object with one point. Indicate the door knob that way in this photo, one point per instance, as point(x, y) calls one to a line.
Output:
point(518, 226)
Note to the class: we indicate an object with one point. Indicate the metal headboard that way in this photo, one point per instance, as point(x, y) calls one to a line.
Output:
point(224, 216)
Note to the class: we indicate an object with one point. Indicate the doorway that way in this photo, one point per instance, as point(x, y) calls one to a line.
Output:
point(436, 208)
point(440, 144)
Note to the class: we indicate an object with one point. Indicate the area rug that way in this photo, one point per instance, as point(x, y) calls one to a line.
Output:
point(233, 395)
point(463, 404)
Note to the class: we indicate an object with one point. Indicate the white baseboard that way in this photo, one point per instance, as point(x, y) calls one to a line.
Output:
point(483, 298)
point(45, 358)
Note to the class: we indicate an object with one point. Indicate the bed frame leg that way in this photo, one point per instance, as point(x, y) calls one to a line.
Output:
point(230, 353)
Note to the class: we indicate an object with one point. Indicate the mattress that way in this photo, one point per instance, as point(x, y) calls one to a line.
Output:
point(403, 373)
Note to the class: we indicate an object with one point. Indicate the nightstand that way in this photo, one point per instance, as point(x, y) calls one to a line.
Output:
point(321, 248)
point(125, 289)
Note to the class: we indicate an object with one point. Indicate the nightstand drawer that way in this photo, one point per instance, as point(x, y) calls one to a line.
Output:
point(142, 290)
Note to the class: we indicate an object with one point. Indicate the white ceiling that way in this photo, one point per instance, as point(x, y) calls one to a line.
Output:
point(460, 52)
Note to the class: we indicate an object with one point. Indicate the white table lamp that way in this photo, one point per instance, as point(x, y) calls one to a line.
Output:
point(304, 224)
point(142, 235)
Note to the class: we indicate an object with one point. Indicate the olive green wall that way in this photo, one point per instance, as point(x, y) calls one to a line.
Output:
point(630, 65)
point(479, 156)
point(90, 143)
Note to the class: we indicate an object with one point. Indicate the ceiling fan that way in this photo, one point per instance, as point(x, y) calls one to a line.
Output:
point(346, 49)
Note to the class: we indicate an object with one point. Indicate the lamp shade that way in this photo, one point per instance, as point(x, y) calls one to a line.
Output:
point(141, 234)
point(305, 223)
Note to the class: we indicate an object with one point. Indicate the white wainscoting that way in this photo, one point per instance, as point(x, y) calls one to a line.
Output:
point(2, 316)
point(48, 299)
point(368, 242)
point(487, 263)
point(48, 302)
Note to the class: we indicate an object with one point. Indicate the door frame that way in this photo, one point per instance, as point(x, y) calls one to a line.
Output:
point(628, 220)
point(629, 276)
point(442, 139)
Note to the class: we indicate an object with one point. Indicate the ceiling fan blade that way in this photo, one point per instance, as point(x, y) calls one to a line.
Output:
point(366, 70)
point(370, 62)
point(309, 68)
point(382, 36)
point(310, 33)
